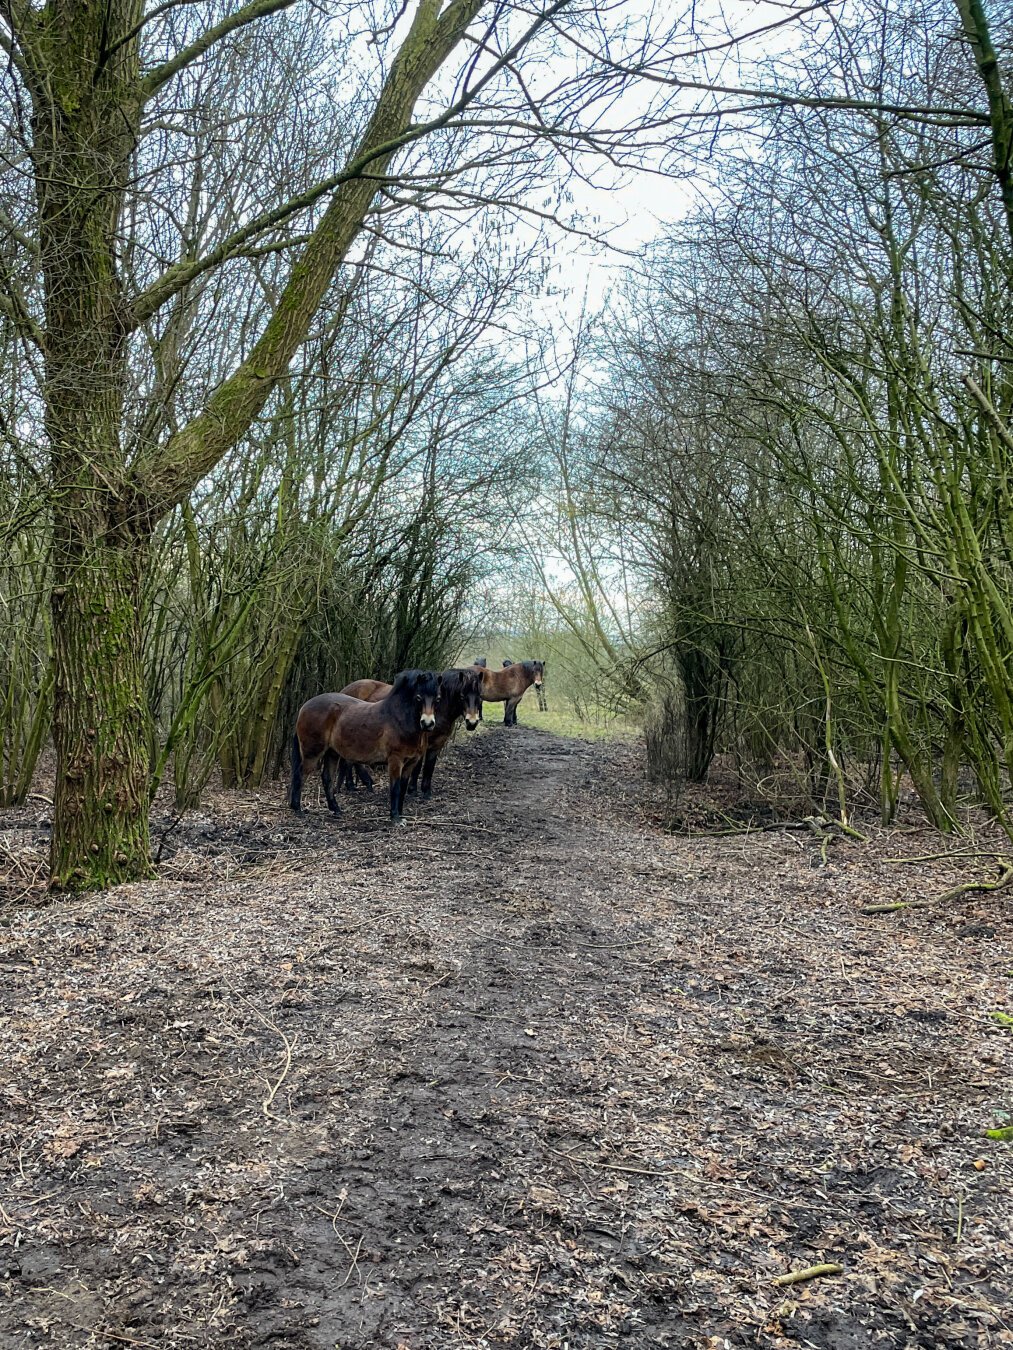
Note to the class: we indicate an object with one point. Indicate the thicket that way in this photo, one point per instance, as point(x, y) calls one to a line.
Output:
point(343, 535)
point(803, 442)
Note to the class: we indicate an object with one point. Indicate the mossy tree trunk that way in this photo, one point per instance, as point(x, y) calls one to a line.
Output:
point(86, 113)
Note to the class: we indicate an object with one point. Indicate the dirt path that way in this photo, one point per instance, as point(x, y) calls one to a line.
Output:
point(524, 1073)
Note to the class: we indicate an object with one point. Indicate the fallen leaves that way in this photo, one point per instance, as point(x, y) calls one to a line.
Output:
point(245, 1098)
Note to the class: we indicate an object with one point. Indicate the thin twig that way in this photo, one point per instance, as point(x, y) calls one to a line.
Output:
point(943, 857)
point(273, 1091)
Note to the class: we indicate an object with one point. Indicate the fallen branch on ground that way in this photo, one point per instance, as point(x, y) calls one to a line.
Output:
point(810, 1273)
point(1005, 878)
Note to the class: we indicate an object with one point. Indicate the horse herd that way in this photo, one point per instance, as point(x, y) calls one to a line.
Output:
point(406, 724)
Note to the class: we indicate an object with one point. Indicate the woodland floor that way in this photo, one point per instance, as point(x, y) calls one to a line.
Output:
point(528, 1072)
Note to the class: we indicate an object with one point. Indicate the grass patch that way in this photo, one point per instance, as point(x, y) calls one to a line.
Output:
point(561, 721)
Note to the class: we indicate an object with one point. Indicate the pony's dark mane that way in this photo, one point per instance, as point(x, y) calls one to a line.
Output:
point(456, 682)
point(404, 677)
point(453, 685)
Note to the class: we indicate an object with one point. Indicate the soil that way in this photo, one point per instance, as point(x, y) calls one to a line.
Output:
point(526, 1072)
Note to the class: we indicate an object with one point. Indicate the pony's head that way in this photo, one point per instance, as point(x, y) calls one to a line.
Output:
point(471, 692)
point(422, 689)
point(463, 687)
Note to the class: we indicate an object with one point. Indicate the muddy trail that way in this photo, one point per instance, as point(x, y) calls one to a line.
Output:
point(526, 1072)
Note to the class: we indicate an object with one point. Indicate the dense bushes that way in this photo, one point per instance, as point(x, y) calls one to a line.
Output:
point(803, 447)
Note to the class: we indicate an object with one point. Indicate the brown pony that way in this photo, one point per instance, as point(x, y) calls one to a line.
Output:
point(460, 696)
point(543, 703)
point(508, 685)
point(331, 727)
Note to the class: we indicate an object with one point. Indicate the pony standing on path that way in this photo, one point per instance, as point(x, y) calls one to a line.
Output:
point(460, 696)
point(508, 685)
point(543, 702)
point(332, 727)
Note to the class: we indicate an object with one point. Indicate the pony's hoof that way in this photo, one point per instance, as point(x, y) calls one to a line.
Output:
point(427, 794)
point(397, 820)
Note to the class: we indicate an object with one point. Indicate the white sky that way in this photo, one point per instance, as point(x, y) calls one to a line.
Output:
point(635, 207)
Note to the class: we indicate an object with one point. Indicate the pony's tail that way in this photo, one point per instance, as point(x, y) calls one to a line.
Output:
point(295, 782)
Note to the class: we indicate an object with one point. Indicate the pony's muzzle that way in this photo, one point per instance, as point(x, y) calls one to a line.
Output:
point(471, 723)
point(427, 721)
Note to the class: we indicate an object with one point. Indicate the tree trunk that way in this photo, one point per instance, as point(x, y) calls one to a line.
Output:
point(1000, 108)
point(267, 710)
point(85, 131)
point(100, 829)
point(100, 811)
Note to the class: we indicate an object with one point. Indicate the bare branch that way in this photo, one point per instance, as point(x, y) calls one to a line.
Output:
point(249, 13)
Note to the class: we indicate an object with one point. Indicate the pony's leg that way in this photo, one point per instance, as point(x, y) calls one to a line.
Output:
point(346, 776)
point(364, 776)
point(394, 767)
point(308, 763)
point(510, 714)
point(428, 765)
point(413, 780)
point(327, 774)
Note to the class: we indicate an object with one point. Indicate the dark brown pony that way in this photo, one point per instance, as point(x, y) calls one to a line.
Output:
point(460, 696)
point(508, 685)
point(543, 703)
point(331, 727)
